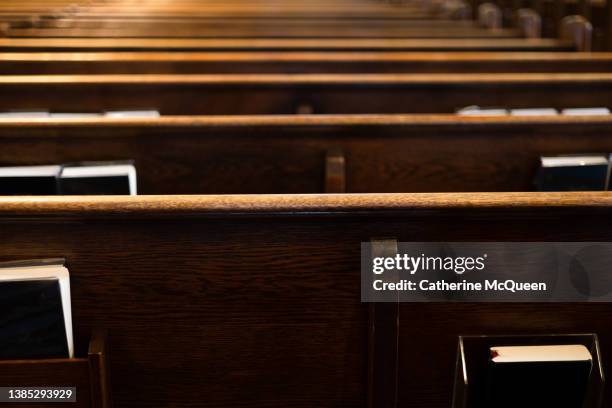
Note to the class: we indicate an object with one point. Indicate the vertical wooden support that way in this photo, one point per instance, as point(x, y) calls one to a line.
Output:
point(538, 6)
point(335, 172)
point(584, 9)
point(577, 30)
point(560, 11)
point(383, 338)
point(608, 25)
point(97, 357)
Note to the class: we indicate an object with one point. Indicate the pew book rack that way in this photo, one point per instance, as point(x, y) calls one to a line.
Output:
point(89, 372)
point(472, 358)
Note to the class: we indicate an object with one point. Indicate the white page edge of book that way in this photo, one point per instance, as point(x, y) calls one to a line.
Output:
point(586, 111)
point(573, 161)
point(30, 171)
point(534, 112)
point(544, 353)
point(133, 114)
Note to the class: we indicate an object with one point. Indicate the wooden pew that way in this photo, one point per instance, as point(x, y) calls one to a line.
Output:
point(287, 94)
point(295, 44)
point(298, 62)
point(266, 31)
point(229, 155)
point(255, 299)
point(121, 10)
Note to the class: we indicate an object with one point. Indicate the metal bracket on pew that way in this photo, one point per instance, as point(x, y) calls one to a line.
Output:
point(335, 172)
point(489, 16)
point(529, 22)
point(383, 341)
point(579, 31)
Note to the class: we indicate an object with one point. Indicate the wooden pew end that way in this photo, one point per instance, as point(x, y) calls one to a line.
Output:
point(489, 16)
point(579, 31)
point(4, 29)
point(529, 23)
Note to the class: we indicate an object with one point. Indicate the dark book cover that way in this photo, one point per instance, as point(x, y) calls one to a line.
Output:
point(98, 178)
point(576, 174)
point(32, 320)
point(29, 180)
point(537, 384)
point(115, 185)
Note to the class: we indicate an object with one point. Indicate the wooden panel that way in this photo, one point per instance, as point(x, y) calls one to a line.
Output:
point(283, 94)
point(219, 155)
point(298, 62)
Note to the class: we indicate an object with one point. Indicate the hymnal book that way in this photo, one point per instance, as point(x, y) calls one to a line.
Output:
point(538, 376)
point(573, 173)
point(104, 178)
point(534, 112)
point(29, 180)
point(133, 114)
point(75, 115)
point(35, 314)
point(480, 111)
point(87, 178)
point(585, 111)
point(24, 114)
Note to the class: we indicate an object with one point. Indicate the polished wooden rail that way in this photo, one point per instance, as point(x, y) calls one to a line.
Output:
point(57, 63)
point(179, 44)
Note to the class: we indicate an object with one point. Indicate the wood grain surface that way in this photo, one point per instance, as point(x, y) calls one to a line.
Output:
point(47, 63)
point(176, 44)
point(254, 301)
point(286, 154)
point(286, 93)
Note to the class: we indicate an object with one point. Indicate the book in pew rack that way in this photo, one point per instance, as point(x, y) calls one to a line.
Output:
point(538, 376)
point(573, 173)
point(86, 178)
point(35, 310)
point(91, 178)
point(29, 180)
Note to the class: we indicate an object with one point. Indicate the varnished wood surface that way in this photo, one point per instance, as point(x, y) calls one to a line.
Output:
point(256, 299)
point(286, 154)
point(176, 44)
point(55, 63)
point(88, 373)
point(294, 204)
point(242, 22)
point(48, 373)
point(266, 31)
point(287, 93)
